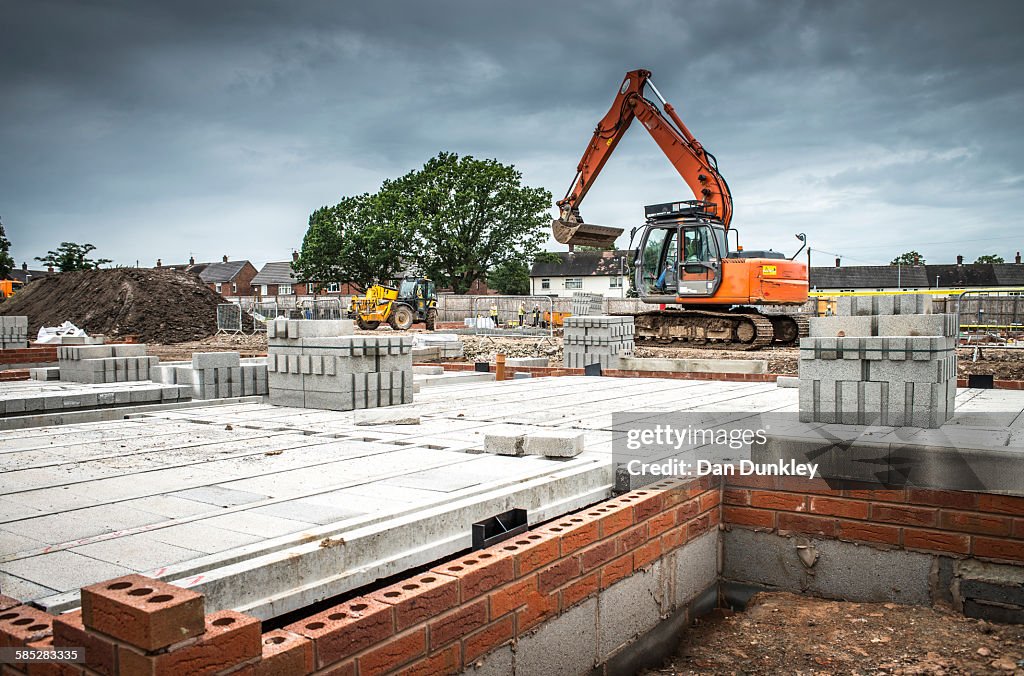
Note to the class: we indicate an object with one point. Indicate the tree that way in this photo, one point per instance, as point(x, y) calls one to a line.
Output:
point(468, 217)
point(990, 258)
point(350, 242)
point(908, 258)
point(6, 262)
point(511, 278)
point(70, 256)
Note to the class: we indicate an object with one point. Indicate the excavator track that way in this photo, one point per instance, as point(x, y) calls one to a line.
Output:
point(699, 328)
point(789, 329)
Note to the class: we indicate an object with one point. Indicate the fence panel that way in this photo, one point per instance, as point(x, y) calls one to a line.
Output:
point(509, 322)
point(229, 318)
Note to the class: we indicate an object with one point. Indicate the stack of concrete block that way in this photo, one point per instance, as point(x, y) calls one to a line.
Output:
point(437, 346)
point(587, 304)
point(216, 375)
point(13, 333)
point(897, 368)
point(597, 339)
point(104, 363)
point(67, 398)
point(320, 364)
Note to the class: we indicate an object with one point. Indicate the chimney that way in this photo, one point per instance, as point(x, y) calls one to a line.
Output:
point(295, 256)
point(49, 268)
point(1017, 259)
point(225, 258)
point(959, 261)
point(837, 262)
point(24, 266)
point(158, 263)
point(191, 260)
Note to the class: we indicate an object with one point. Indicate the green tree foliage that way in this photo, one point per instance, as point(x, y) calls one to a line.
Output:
point(349, 242)
point(991, 259)
point(467, 217)
point(511, 278)
point(908, 258)
point(70, 256)
point(6, 262)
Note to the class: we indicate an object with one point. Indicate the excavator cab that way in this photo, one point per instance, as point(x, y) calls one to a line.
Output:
point(680, 254)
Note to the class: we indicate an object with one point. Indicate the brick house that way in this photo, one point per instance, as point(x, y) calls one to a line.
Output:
point(228, 278)
point(278, 279)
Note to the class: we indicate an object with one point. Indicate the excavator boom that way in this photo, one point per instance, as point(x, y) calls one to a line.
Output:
point(695, 165)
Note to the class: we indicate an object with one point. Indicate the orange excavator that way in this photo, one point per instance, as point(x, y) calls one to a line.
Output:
point(683, 259)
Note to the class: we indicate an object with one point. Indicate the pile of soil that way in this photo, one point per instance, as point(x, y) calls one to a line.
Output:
point(159, 306)
point(781, 633)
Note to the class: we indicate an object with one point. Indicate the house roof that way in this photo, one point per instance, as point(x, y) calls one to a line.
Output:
point(1009, 274)
point(221, 272)
point(868, 276)
point(24, 276)
point(582, 264)
point(275, 273)
point(972, 274)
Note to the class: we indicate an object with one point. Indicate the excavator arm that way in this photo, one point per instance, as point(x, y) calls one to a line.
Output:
point(697, 167)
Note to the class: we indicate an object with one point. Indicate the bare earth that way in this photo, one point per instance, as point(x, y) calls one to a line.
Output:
point(1004, 364)
point(782, 633)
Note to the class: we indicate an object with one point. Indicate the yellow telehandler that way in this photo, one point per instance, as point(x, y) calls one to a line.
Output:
point(415, 300)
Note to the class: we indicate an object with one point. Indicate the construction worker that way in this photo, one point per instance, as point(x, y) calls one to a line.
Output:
point(494, 313)
point(536, 315)
point(522, 314)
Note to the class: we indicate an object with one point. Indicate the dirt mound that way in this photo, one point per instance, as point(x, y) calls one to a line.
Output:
point(160, 306)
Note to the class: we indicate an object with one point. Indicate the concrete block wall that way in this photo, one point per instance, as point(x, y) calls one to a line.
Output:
point(13, 333)
point(893, 369)
point(100, 364)
point(319, 364)
point(584, 304)
point(598, 339)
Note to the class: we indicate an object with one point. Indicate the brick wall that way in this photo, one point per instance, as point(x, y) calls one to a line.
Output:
point(439, 621)
point(980, 525)
point(29, 355)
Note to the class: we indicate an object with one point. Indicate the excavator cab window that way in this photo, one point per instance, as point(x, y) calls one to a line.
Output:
point(681, 259)
point(658, 261)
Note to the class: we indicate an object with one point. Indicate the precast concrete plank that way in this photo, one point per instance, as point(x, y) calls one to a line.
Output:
point(64, 570)
point(138, 552)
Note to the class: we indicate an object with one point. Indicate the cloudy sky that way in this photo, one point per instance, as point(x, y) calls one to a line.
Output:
point(158, 129)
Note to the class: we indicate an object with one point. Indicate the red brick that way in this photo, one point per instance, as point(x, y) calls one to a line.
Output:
point(978, 524)
point(688, 510)
point(393, 653)
point(533, 550)
point(142, 612)
point(659, 523)
point(616, 570)
point(934, 541)
point(231, 639)
point(614, 518)
point(557, 574)
point(346, 668)
point(576, 532)
point(646, 553)
point(999, 548)
point(631, 539)
point(511, 596)
point(1018, 528)
point(645, 503)
point(908, 516)
point(8, 602)
point(716, 517)
point(1002, 504)
point(100, 654)
point(745, 516)
point(458, 623)
point(346, 629)
point(284, 654)
point(596, 555)
point(751, 481)
point(445, 662)
point(791, 502)
point(577, 590)
point(877, 494)
point(419, 598)
point(673, 539)
point(697, 526)
point(22, 625)
point(48, 668)
point(488, 638)
point(796, 484)
point(736, 496)
point(802, 523)
point(710, 500)
point(869, 532)
point(481, 571)
point(955, 499)
point(851, 509)
point(538, 608)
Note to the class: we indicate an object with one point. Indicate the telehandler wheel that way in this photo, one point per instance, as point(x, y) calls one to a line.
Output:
point(431, 321)
point(367, 326)
point(401, 317)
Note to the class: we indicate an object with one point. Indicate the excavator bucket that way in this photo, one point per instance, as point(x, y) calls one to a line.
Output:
point(584, 234)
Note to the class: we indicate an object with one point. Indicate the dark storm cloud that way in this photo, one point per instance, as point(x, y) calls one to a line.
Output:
point(157, 129)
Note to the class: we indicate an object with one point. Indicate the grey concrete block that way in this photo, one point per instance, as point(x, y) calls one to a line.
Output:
point(383, 416)
point(554, 443)
point(944, 325)
point(787, 381)
point(832, 327)
point(629, 608)
point(213, 360)
point(562, 645)
point(128, 350)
